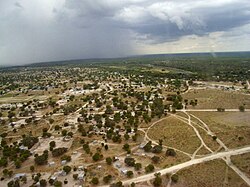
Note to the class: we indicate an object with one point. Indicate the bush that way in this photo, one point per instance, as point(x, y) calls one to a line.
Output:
point(43, 183)
point(32, 168)
point(117, 184)
point(75, 176)
point(155, 159)
point(57, 127)
point(148, 147)
point(67, 169)
point(95, 181)
point(130, 174)
point(242, 108)
point(41, 160)
point(58, 184)
point(170, 152)
point(137, 166)
point(59, 151)
point(158, 180)
point(96, 156)
point(175, 178)
point(66, 157)
point(157, 149)
point(52, 144)
point(109, 160)
point(29, 141)
point(129, 161)
point(107, 179)
point(149, 168)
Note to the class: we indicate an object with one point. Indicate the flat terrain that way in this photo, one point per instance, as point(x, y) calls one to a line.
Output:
point(175, 133)
point(104, 114)
point(243, 166)
point(233, 128)
point(214, 173)
point(215, 98)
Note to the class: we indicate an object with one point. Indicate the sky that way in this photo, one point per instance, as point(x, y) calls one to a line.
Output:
point(50, 30)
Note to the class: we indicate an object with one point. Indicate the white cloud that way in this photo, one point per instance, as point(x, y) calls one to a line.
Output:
point(46, 30)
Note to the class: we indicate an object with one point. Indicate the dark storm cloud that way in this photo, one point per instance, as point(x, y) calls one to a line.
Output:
point(168, 21)
point(32, 31)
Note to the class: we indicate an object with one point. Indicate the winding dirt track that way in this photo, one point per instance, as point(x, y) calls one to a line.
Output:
point(214, 155)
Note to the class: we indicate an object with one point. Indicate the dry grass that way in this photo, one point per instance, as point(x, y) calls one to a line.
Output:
point(231, 133)
point(209, 174)
point(105, 170)
point(35, 129)
point(175, 133)
point(242, 162)
point(213, 98)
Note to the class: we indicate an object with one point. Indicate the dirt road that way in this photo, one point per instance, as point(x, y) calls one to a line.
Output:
point(190, 163)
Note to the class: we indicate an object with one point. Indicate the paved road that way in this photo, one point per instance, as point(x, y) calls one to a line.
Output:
point(190, 163)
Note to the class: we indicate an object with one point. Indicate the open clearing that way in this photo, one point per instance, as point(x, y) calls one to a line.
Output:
point(20, 99)
point(231, 127)
point(243, 166)
point(214, 173)
point(215, 98)
point(175, 133)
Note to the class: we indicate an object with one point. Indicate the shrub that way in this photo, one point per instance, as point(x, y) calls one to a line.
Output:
point(59, 151)
point(95, 181)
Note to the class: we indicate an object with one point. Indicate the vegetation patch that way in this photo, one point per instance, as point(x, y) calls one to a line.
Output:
point(175, 133)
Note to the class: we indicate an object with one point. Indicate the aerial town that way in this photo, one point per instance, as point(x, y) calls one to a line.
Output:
point(123, 124)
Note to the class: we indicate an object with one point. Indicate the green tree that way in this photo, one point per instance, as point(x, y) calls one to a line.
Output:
point(157, 149)
point(242, 108)
point(129, 161)
point(57, 127)
point(126, 147)
point(96, 156)
point(170, 152)
point(106, 147)
point(75, 176)
point(52, 144)
point(67, 169)
point(157, 181)
point(175, 178)
point(109, 160)
point(137, 166)
point(18, 163)
point(43, 183)
point(64, 132)
point(107, 178)
point(148, 147)
point(51, 121)
point(95, 181)
point(59, 151)
point(129, 174)
point(32, 168)
point(149, 168)
point(155, 159)
point(58, 184)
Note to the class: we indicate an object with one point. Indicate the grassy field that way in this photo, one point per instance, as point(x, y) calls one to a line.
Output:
point(175, 133)
point(214, 98)
point(242, 162)
point(231, 127)
point(210, 174)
